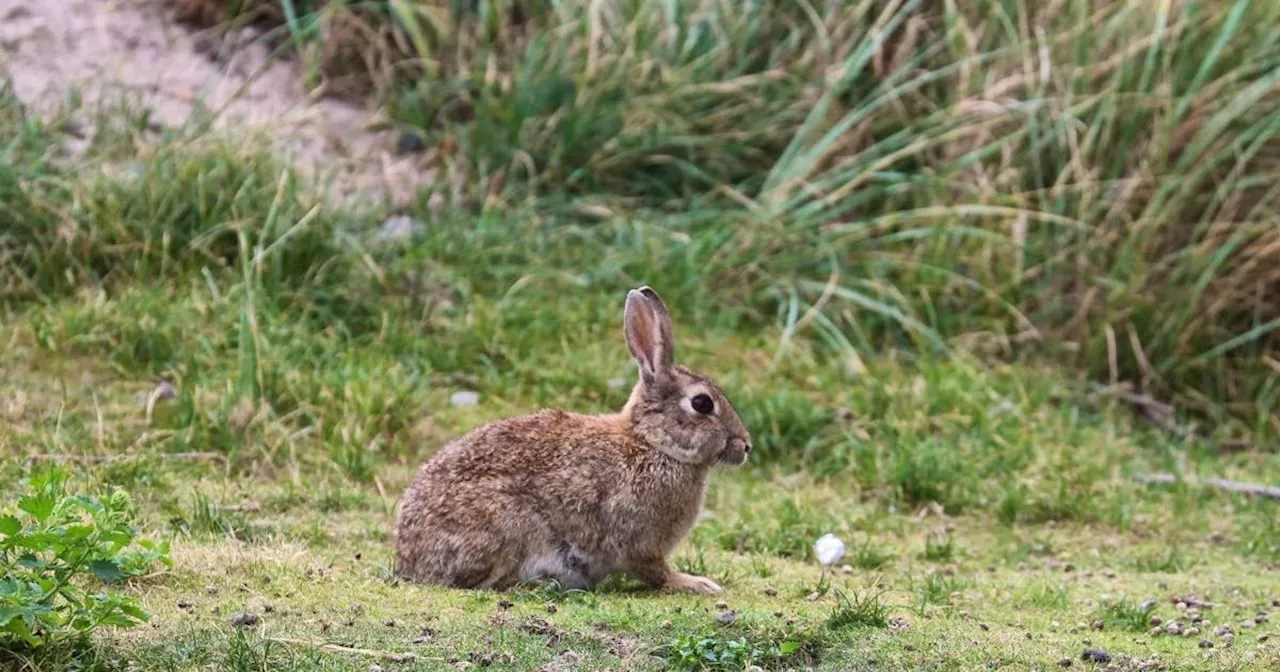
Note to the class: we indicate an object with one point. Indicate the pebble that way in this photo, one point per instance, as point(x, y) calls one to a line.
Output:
point(722, 605)
point(770, 592)
point(985, 627)
point(465, 398)
point(1095, 656)
point(185, 604)
point(244, 619)
point(1191, 632)
point(1065, 662)
point(1222, 630)
point(1173, 628)
point(551, 608)
point(727, 617)
point(374, 667)
point(1156, 631)
point(390, 623)
point(1156, 620)
point(666, 625)
point(1098, 624)
point(1205, 644)
point(777, 614)
point(410, 142)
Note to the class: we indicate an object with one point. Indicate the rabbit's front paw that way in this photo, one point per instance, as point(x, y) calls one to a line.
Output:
point(688, 583)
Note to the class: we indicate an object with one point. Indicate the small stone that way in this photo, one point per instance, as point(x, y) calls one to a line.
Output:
point(1093, 655)
point(1155, 620)
point(770, 592)
point(722, 605)
point(666, 625)
point(268, 608)
point(1205, 644)
point(374, 667)
point(846, 569)
point(184, 604)
point(727, 617)
point(1156, 631)
point(814, 596)
point(1222, 630)
point(985, 627)
point(1065, 662)
point(465, 398)
point(390, 623)
point(244, 619)
point(777, 614)
point(462, 665)
point(211, 590)
point(1181, 606)
point(1247, 624)
point(1261, 618)
point(1097, 624)
point(410, 142)
point(551, 608)
point(1191, 632)
point(1173, 628)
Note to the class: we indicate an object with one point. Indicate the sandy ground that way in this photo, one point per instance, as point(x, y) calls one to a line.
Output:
point(48, 47)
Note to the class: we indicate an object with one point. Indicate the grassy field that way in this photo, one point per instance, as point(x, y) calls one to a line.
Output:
point(916, 304)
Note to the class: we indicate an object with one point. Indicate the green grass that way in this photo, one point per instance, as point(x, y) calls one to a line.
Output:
point(1089, 181)
point(905, 294)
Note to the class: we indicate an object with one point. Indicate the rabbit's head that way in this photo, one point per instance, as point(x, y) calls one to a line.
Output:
point(680, 412)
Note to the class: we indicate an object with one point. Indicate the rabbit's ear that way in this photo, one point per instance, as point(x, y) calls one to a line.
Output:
point(648, 329)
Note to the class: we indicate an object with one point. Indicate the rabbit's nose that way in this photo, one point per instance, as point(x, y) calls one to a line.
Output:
point(746, 447)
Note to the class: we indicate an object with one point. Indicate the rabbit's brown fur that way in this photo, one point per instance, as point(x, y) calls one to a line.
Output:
point(575, 498)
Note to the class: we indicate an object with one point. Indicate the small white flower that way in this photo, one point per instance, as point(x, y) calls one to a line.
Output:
point(829, 549)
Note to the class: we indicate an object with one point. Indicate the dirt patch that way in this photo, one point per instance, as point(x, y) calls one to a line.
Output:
point(136, 47)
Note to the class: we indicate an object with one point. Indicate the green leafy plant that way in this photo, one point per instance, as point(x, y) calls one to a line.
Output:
point(54, 548)
point(710, 652)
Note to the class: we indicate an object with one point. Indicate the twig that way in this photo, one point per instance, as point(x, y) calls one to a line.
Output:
point(399, 657)
point(1257, 489)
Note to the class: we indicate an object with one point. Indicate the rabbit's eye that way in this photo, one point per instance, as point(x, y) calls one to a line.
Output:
point(702, 404)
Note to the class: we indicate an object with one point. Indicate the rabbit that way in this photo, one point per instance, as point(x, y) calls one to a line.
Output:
point(570, 498)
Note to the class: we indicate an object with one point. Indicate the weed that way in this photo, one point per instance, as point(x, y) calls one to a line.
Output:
point(715, 652)
point(1171, 559)
point(858, 611)
point(939, 548)
point(54, 542)
point(868, 556)
point(1124, 615)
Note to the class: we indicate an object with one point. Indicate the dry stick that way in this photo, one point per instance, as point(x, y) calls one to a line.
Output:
point(405, 657)
point(1257, 489)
